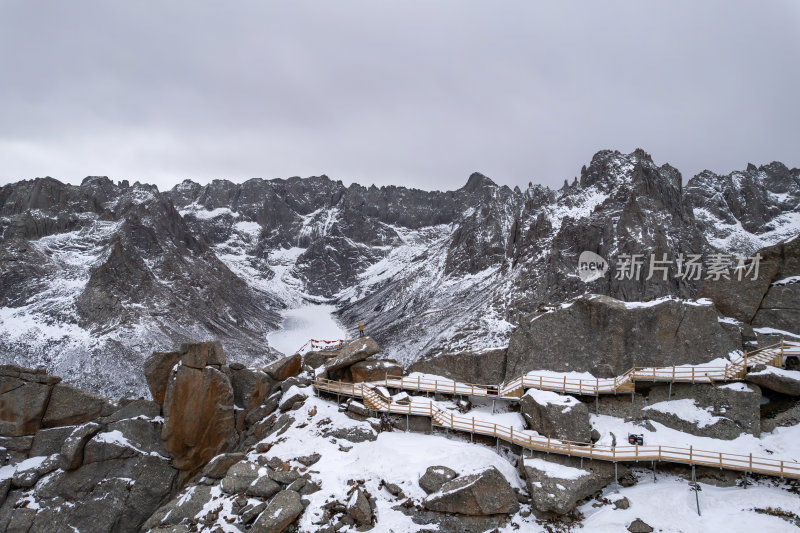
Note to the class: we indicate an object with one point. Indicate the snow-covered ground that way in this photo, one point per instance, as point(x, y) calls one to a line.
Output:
point(308, 321)
point(668, 505)
point(401, 458)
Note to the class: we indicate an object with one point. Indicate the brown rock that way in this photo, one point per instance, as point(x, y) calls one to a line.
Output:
point(70, 406)
point(22, 404)
point(357, 350)
point(375, 370)
point(250, 387)
point(484, 493)
point(198, 416)
point(284, 368)
point(200, 354)
point(157, 368)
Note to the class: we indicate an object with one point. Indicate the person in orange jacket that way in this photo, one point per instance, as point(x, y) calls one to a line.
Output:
point(361, 329)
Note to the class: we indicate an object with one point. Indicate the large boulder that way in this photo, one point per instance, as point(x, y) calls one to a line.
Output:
point(69, 406)
point(374, 370)
point(198, 416)
point(357, 350)
point(281, 511)
point(556, 486)
point(157, 369)
point(775, 379)
point(285, 368)
point(717, 411)
point(24, 394)
point(556, 415)
point(607, 336)
point(250, 387)
point(436, 476)
point(483, 493)
point(764, 301)
point(202, 354)
point(481, 367)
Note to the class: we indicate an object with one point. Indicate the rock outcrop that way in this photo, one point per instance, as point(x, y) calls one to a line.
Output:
point(483, 493)
point(95, 465)
point(775, 379)
point(556, 484)
point(24, 395)
point(606, 336)
point(374, 370)
point(198, 409)
point(485, 367)
point(718, 411)
point(357, 350)
point(556, 415)
point(772, 299)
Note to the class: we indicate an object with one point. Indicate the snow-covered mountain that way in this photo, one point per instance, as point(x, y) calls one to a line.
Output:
point(96, 276)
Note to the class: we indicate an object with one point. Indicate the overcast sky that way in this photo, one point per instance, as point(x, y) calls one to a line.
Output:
point(408, 93)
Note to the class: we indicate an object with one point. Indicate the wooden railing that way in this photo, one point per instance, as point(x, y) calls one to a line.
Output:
point(532, 441)
point(514, 389)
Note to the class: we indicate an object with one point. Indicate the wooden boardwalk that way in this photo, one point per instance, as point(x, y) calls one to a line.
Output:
point(514, 389)
point(377, 400)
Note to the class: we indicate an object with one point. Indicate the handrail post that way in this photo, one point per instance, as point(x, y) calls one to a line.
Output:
point(690, 453)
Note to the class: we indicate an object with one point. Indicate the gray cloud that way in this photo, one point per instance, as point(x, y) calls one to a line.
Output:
point(410, 93)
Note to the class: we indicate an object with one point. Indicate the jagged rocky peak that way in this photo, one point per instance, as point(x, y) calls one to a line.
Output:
point(478, 181)
point(737, 210)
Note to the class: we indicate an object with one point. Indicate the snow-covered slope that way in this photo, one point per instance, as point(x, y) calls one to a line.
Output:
point(96, 276)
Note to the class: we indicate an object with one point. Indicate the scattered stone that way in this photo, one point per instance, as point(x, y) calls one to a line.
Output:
point(251, 514)
point(263, 487)
point(359, 509)
point(218, 467)
point(354, 434)
point(638, 526)
point(284, 477)
point(623, 503)
point(280, 512)
point(290, 397)
point(483, 493)
point(239, 477)
point(393, 489)
point(28, 472)
point(436, 476)
point(309, 460)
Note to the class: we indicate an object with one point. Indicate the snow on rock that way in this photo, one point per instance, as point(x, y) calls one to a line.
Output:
point(555, 470)
point(686, 409)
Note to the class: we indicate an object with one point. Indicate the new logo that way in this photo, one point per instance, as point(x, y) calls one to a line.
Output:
point(591, 266)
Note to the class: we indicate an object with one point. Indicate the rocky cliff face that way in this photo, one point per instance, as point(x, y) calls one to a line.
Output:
point(98, 275)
